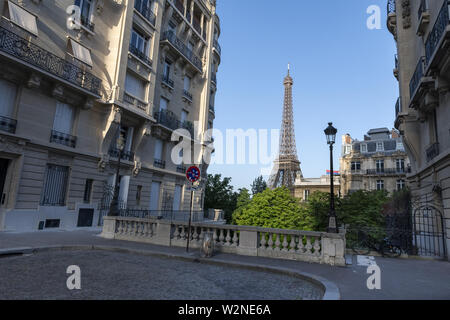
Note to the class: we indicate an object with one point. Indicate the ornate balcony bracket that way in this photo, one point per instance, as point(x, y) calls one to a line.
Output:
point(103, 162)
point(89, 103)
point(137, 168)
point(423, 23)
point(34, 81)
point(58, 92)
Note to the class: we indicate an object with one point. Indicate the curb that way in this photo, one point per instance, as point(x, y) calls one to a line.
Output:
point(331, 291)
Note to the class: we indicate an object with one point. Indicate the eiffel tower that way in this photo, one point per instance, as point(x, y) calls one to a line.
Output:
point(286, 166)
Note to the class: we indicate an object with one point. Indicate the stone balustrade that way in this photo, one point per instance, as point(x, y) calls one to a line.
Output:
point(315, 247)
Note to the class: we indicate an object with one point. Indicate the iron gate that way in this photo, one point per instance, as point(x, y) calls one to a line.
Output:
point(429, 235)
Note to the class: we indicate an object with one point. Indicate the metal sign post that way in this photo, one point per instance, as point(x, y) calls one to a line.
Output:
point(193, 175)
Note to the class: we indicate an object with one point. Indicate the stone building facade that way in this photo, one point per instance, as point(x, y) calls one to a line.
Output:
point(379, 162)
point(77, 75)
point(305, 187)
point(421, 30)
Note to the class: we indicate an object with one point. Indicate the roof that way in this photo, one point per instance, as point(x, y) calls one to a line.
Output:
point(378, 130)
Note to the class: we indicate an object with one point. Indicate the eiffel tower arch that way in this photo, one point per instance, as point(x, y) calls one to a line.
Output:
point(287, 166)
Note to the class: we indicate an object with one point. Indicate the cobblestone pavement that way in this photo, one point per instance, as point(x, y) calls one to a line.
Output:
point(113, 275)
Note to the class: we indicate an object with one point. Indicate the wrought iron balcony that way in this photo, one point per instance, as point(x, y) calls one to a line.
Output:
point(63, 138)
point(436, 34)
point(8, 124)
point(145, 11)
point(135, 101)
point(432, 151)
point(159, 163)
point(168, 119)
point(211, 108)
point(417, 76)
point(187, 95)
point(166, 80)
point(391, 7)
point(216, 46)
point(387, 171)
point(141, 55)
point(22, 49)
point(124, 155)
point(179, 45)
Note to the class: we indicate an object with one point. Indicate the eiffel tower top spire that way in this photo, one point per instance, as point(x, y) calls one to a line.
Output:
point(287, 166)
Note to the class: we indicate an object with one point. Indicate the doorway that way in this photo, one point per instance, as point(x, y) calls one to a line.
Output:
point(4, 163)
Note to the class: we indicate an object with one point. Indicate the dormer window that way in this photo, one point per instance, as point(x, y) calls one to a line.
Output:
point(380, 146)
point(363, 148)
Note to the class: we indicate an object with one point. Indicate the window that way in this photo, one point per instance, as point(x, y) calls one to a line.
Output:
point(190, 46)
point(210, 125)
point(400, 184)
point(347, 149)
point(135, 86)
point(172, 27)
point(187, 83)
point(380, 146)
point(154, 196)
point(380, 165)
point(356, 166)
point(158, 149)
point(400, 165)
point(139, 42)
point(163, 104)
point(138, 195)
point(88, 190)
point(142, 5)
point(55, 186)
point(306, 195)
point(64, 115)
point(380, 185)
point(8, 92)
point(177, 197)
point(86, 7)
point(363, 147)
point(22, 18)
point(167, 66)
point(80, 52)
point(400, 146)
point(184, 116)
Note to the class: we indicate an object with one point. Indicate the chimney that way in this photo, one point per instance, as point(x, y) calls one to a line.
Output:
point(395, 134)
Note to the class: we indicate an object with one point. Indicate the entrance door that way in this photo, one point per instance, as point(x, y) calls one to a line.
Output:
point(3, 170)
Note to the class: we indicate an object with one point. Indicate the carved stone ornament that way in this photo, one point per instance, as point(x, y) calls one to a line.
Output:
point(99, 7)
point(147, 128)
point(34, 81)
point(88, 104)
point(58, 92)
point(117, 115)
point(137, 168)
point(406, 13)
point(104, 160)
point(10, 147)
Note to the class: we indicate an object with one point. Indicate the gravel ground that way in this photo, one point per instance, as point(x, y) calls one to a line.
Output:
point(111, 275)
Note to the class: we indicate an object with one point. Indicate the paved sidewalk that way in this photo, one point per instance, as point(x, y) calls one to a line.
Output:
point(400, 278)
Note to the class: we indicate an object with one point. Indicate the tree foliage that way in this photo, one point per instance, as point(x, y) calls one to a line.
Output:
point(258, 185)
point(274, 209)
point(219, 194)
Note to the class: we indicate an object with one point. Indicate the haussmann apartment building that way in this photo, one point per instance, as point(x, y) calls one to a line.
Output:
point(80, 79)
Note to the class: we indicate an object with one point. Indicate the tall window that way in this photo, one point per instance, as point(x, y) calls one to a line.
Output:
point(139, 42)
point(306, 195)
point(184, 116)
point(159, 146)
point(88, 190)
point(163, 103)
point(8, 92)
point(172, 27)
point(380, 185)
point(363, 147)
point(177, 197)
point(86, 7)
point(64, 115)
point(55, 186)
point(22, 17)
point(154, 196)
point(400, 165)
point(380, 165)
point(167, 66)
point(135, 86)
point(356, 166)
point(400, 184)
point(187, 83)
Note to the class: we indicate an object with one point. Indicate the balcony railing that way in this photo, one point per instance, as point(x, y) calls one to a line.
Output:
point(196, 25)
point(87, 23)
point(159, 163)
point(141, 55)
point(135, 101)
point(166, 80)
point(211, 108)
point(391, 8)
point(214, 77)
point(125, 155)
point(168, 119)
point(8, 124)
point(435, 36)
point(187, 95)
point(387, 171)
point(63, 138)
point(20, 48)
point(216, 45)
point(181, 169)
point(182, 48)
point(432, 151)
point(417, 76)
point(145, 10)
point(180, 6)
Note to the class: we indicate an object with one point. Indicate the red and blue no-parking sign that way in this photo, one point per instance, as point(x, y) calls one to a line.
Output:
point(193, 174)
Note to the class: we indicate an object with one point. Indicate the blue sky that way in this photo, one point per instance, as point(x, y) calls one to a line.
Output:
point(342, 73)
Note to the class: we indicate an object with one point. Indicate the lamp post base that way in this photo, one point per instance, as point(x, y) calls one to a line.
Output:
point(332, 228)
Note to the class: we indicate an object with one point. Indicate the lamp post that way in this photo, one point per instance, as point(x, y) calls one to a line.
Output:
point(330, 133)
point(114, 208)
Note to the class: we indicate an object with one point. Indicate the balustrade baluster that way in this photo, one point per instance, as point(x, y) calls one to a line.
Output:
point(176, 234)
point(221, 237)
point(183, 233)
point(317, 246)
point(292, 244)
point(270, 243)
point(277, 242)
point(301, 246)
point(263, 240)
point(228, 238)
point(235, 238)
point(308, 245)
point(285, 243)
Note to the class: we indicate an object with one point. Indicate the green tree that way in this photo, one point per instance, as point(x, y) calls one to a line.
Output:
point(258, 185)
point(243, 199)
point(275, 209)
point(219, 194)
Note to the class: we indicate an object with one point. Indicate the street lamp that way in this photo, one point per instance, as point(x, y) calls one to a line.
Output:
point(114, 208)
point(330, 133)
